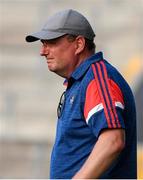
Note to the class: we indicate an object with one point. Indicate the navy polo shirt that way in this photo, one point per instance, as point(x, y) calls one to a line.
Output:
point(97, 97)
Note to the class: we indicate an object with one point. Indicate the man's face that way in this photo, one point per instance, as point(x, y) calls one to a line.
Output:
point(60, 55)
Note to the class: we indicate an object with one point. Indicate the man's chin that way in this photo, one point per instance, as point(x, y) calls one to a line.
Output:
point(52, 69)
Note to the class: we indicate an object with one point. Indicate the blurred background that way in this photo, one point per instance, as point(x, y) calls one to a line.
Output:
point(29, 93)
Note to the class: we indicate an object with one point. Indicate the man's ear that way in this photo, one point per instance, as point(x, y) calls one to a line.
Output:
point(80, 44)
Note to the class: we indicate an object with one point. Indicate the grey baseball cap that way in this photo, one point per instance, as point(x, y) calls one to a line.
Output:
point(64, 22)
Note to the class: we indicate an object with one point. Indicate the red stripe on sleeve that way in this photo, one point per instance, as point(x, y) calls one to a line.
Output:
point(106, 94)
point(114, 116)
point(101, 95)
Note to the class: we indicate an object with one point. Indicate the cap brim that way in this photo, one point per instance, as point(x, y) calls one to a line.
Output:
point(43, 35)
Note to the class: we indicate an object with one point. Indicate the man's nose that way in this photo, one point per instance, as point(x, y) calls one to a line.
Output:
point(44, 51)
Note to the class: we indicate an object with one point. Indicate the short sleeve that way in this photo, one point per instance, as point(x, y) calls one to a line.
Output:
point(104, 103)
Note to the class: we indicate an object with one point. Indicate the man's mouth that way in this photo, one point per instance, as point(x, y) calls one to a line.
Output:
point(49, 59)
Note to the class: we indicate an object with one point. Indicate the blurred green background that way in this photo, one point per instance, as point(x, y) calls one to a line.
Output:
point(29, 93)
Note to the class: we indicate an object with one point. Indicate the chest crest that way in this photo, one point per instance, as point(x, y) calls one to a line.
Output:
point(72, 99)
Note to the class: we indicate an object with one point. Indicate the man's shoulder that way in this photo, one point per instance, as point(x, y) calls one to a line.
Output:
point(102, 70)
point(101, 67)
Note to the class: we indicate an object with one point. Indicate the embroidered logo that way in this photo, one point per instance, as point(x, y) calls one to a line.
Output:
point(72, 99)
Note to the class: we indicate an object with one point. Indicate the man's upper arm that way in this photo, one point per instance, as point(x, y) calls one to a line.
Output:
point(104, 102)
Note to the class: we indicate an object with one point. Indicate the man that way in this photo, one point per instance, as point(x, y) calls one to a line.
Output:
point(96, 130)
